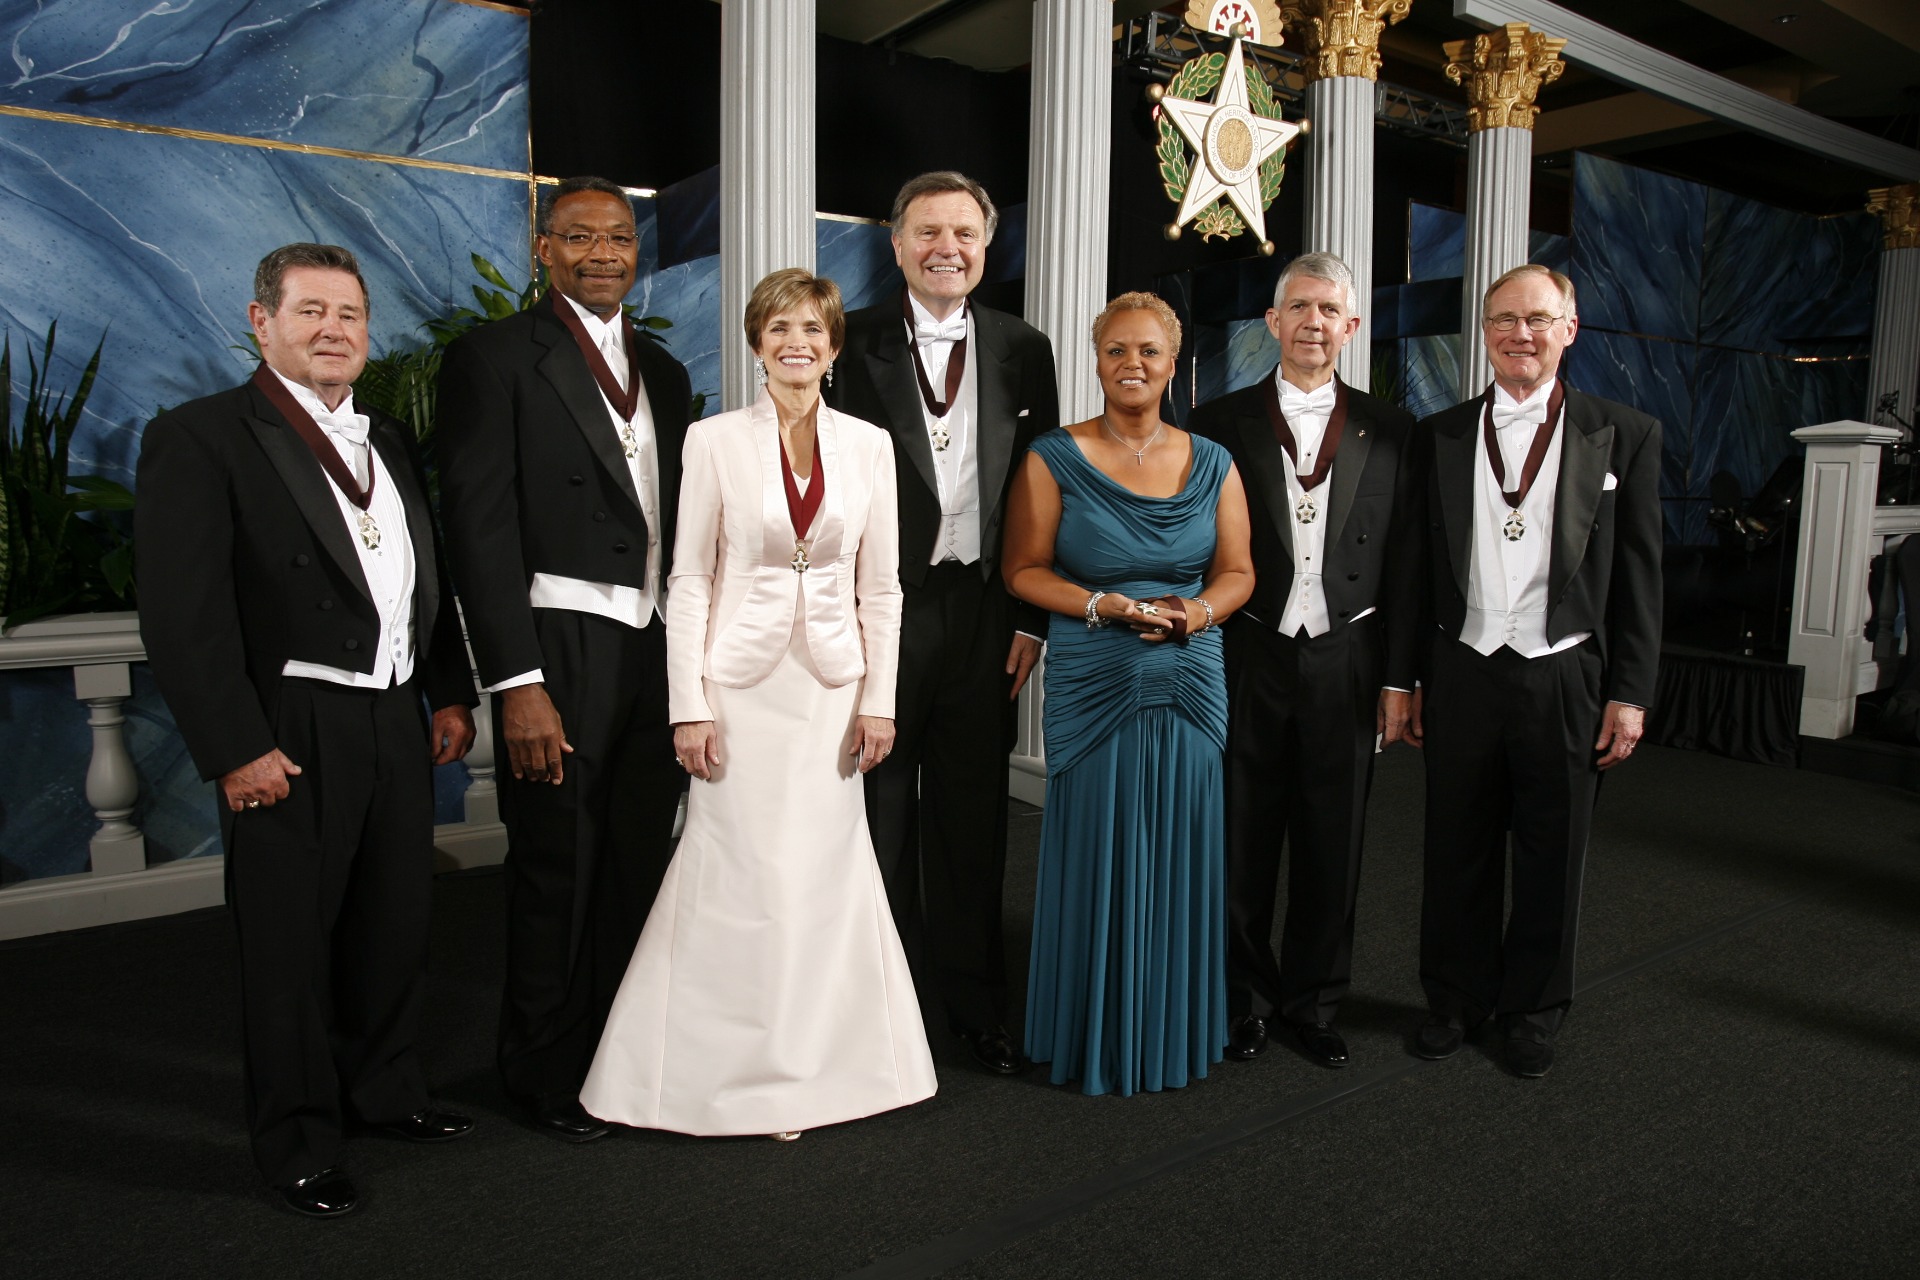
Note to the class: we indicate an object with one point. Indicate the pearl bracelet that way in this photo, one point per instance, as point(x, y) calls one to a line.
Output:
point(1094, 620)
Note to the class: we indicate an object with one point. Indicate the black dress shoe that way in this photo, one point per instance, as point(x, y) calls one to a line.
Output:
point(1321, 1043)
point(1439, 1037)
point(326, 1194)
point(429, 1125)
point(993, 1049)
point(1247, 1037)
point(569, 1122)
point(1528, 1057)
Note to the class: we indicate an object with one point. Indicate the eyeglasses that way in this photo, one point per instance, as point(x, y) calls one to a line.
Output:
point(1538, 322)
point(622, 240)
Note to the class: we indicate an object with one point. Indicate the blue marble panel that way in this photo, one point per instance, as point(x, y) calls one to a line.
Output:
point(1785, 282)
point(45, 821)
point(1436, 242)
point(427, 78)
point(1748, 405)
point(1250, 355)
point(689, 295)
point(858, 256)
point(1637, 245)
point(1430, 380)
point(151, 242)
point(1656, 378)
point(1550, 250)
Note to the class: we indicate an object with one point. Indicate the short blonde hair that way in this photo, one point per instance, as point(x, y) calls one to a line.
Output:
point(1140, 300)
point(1560, 282)
point(785, 290)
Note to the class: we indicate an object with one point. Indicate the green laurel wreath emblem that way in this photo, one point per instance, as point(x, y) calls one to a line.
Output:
point(1194, 81)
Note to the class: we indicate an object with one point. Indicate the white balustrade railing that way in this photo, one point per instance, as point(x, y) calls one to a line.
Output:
point(119, 884)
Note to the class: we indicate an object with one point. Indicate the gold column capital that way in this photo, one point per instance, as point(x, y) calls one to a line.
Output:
point(1341, 37)
point(1899, 210)
point(1503, 71)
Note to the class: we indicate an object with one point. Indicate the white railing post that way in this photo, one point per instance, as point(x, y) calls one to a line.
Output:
point(1830, 604)
point(113, 784)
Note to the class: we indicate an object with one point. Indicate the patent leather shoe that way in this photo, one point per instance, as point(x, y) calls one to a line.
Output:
point(429, 1125)
point(1439, 1037)
point(326, 1194)
point(1528, 1057)
point(1247, 1037)
point(569, 1122)
point(1321, 1044)
point(993, 1050)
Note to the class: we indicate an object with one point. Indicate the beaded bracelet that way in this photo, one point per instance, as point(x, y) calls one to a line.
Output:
point(1202, 602)
point(1094, 620)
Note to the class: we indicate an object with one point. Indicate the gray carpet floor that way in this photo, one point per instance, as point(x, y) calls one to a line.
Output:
point(1735, 1096)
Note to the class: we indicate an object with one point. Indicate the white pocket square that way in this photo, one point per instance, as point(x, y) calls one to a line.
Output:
point(1613, 482)
point(1023, 413)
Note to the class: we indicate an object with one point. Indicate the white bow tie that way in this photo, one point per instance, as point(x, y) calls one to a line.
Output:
point(1530, 414)
point(928, 332)
point(1297, 403)
point(351, 427)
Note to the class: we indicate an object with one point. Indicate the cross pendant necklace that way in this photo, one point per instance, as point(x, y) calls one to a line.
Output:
point(1139, 455)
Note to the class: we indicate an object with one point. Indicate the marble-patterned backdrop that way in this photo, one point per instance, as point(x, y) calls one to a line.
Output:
point(142, 238)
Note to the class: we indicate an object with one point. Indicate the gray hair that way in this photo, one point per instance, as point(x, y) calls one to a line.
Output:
point(573, 187)
point(1560, 282)
point(1319, 266)
point(939, 183)
point(269, 278)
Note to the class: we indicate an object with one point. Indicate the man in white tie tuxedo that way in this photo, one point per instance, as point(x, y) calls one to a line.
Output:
point(963, 390)
point(1543, 587)
point(1320, 662)
point(298, 618)
point(559, 433)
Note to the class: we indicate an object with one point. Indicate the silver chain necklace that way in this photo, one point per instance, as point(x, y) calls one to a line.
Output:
point(1139, 458)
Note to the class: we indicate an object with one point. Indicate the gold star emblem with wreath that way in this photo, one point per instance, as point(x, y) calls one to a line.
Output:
point(1239, 144)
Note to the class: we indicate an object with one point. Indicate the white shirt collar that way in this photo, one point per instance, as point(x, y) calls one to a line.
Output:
point(923, 316)
point(599, 330)
point(1541, 395)
point(311, 401)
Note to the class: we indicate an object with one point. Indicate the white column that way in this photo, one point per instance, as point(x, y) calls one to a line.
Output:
point(1896, 334)
point(113, 784)
point(1498, 162)
point(1340, 199)
point(1067, 188)
point(1830, 572)
point(766, 163)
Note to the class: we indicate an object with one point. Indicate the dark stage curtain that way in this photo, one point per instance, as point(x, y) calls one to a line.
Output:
point(1742, 708)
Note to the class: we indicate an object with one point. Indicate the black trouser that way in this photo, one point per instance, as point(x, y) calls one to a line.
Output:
point(1509, 747)
point(938, 806)
point(1301, 714)
point(331, 890)
point(585, 858)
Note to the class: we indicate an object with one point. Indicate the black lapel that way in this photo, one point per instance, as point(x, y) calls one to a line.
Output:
point(995, 390)
point(385, 439)
point(307, 485)
point(892, 373)
point(1356, 441)
point(1586, 444)
point(565, 369)
point(1453, 437)
point(1266, 462)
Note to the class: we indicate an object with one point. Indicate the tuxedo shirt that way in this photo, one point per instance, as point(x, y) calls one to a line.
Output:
point(957, 467)
point(1507, 578)
point(631, 606)
point(388, 568)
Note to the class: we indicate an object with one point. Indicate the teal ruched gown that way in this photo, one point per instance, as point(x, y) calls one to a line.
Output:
point(1127, 987)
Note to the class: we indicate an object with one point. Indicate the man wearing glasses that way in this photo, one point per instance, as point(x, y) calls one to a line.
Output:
point(559, 435)
point(1544, 531)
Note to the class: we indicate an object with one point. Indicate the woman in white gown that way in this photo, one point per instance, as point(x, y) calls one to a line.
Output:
point(769, 993)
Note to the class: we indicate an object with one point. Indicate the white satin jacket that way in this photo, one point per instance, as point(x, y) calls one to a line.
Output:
point(733, 593)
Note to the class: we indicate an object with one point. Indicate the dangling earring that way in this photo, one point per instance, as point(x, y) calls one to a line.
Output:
point(829, 373)
point(760, 371)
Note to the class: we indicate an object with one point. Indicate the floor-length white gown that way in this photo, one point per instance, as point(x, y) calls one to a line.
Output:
point(769, 990)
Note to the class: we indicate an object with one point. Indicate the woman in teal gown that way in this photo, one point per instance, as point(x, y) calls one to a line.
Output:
point(1133, 534)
